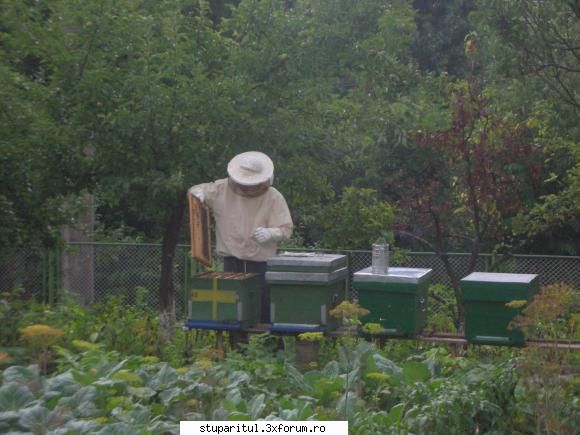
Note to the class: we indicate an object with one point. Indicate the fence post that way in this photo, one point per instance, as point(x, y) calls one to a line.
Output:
point(52, 275)
point(348, 290)
point(186, 279)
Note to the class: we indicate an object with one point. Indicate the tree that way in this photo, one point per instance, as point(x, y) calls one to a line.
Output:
point(317, 77)
point(158, 126)
point(135, 91)
point(532, 51)
point(553, 223)
point(465, 184)
point(543, 40)
point(40, 166)
point(441, 26)
point(356, 221)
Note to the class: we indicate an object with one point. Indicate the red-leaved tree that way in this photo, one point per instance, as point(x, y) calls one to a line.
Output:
point(464, 184)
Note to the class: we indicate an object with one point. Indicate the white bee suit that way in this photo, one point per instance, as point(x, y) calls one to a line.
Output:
point(243, 220)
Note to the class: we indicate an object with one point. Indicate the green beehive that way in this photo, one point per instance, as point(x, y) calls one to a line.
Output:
point(224, 298)
point(484, 297)
point(397, 300)
point(304, 287)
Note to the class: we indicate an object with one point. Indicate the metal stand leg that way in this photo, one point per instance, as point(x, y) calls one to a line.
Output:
point(219, 342)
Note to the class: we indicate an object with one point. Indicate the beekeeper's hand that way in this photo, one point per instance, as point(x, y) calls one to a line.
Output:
point(198, 193)
point(264, 235)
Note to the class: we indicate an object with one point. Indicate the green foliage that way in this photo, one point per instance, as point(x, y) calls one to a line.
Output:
point(547, 392)
point(541, 39)
point(534, 47)
point(112, 325)
point(137, 101)
point(356, 221)
point(441, 29)
point(400, 389)
point(555, 218)
point(441, 309)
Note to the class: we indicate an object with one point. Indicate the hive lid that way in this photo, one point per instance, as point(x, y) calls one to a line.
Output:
point(405, 275)
point(306, 277)
point(288, 260)
point(516, 278)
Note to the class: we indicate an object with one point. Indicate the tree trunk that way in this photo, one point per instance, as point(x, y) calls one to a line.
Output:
point(78, 261)
point(169, 243)
point(460, 316)
point(442, 254)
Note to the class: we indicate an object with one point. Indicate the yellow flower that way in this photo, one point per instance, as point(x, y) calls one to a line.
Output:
point(313, 365)
point(518, 303)
point(42, 331)
point(84, 345)
point(379, 377)
point(311, 336)
point(182, 370)
point(373, 328)
point(4, 358)
point(348, 310)
point(204, 363)
point(211, 354)
point(127, 376)
point(192, 403)
point(150, 359)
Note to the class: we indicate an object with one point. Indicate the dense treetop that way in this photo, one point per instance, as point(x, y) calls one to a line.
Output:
point(460, 117)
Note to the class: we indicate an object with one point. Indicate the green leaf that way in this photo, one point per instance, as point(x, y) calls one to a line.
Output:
point(40, 419)
point(296, 376)
point(164, 378)
point(385, 365)
point(256, 406)
point(118, 429)
point(115, 368)
point(64, 384)
point(237, 378)
point(169, 395)
point(351, 378)
point(233, 397)
point(79, 427)
point(324, 389)
point(84, 378)
point(331, 370)
point(239, 416)
point(141, 392)
point(82, 403)
point(21, 375)
point(416, 372)
point(14, 397)
point(140, 416)
point(348, 405)
point(395, 414)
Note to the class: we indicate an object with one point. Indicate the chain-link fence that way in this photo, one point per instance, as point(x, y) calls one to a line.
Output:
point(35, 271)
point(95, 271)
point(551, 269)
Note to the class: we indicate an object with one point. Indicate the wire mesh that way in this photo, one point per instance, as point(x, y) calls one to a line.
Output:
point(26, 269)
point(97, 271)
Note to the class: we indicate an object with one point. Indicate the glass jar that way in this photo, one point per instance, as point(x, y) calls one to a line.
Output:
point(380, 258)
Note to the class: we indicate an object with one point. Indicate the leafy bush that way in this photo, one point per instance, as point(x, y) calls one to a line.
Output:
point(103, 381)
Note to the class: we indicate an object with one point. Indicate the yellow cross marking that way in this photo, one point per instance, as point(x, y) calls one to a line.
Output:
point(214, 296)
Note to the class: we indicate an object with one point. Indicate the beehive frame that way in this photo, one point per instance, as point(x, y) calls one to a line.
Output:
point(200, 231)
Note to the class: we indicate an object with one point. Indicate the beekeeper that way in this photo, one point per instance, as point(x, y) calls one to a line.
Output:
point(251, 216)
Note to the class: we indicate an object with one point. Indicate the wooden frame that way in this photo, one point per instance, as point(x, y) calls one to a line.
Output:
point(200, 231)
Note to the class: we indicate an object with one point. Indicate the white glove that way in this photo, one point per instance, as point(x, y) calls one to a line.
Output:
point(262, 235)
point(198, 193)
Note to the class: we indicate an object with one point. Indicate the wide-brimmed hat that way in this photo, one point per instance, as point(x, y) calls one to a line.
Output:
point(251, 168)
